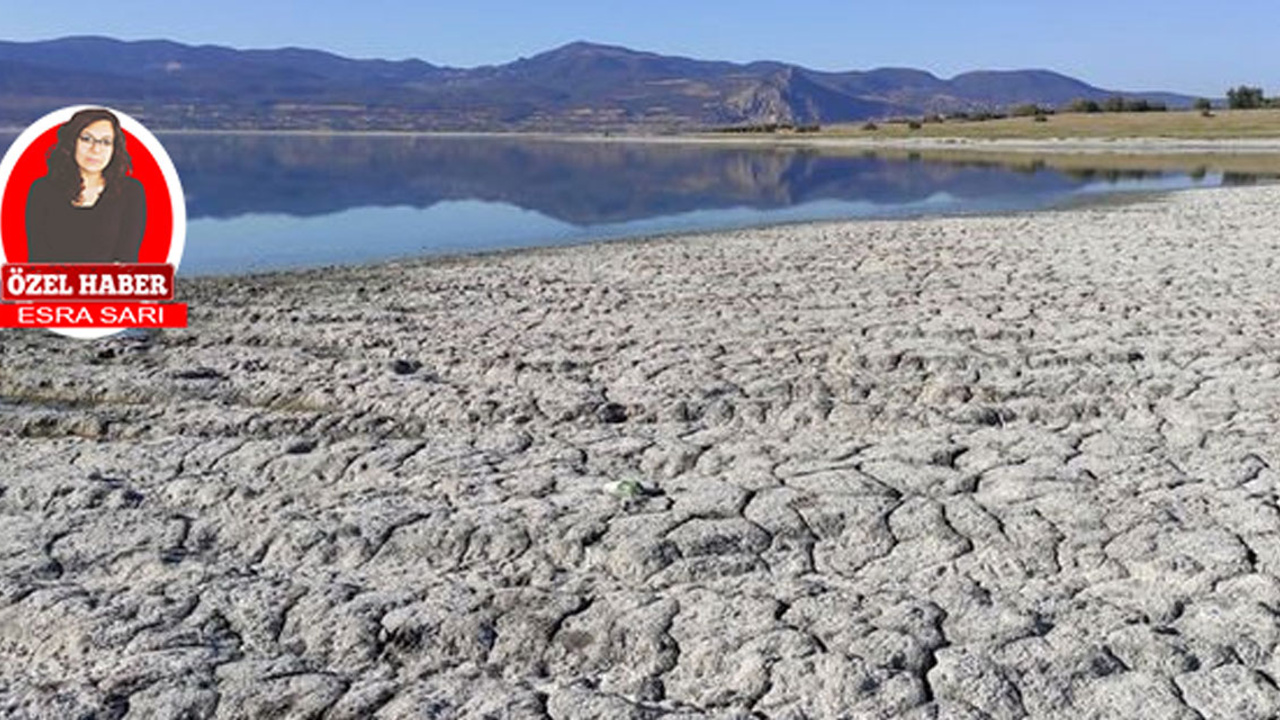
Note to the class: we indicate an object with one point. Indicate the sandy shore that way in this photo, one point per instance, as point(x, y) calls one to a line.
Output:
point(1066, 144)
point(1075, 145)
point(1001, 467)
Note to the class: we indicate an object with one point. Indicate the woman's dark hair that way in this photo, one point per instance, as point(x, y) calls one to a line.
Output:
point(63, 171)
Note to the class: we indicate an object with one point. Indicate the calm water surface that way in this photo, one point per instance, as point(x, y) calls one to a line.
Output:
point(260, 202)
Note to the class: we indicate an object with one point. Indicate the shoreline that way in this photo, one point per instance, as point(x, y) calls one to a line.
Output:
point(1153, 145)
point(1076, 202)
point(1118, 144)
point(1004, 466)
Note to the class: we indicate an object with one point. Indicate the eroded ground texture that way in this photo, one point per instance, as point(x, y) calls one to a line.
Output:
point(1002, 467)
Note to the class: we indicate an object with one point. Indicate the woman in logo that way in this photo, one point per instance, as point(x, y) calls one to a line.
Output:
point(87, 209)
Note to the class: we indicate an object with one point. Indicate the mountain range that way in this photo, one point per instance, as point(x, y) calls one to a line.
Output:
point(577, 87)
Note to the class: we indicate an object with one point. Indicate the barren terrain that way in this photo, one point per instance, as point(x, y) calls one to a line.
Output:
point(985, 467)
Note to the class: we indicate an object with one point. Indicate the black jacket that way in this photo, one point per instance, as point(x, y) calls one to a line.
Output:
point(110, 231)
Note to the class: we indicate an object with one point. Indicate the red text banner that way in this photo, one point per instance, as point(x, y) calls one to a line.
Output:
point(85, 282)
point(93, 315)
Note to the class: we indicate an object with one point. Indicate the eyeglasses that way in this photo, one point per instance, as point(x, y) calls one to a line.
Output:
point(104, 143)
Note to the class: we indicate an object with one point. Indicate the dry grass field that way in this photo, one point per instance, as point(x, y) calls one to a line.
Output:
point(1261, 164)
point(977, 141)
point(1189, 124)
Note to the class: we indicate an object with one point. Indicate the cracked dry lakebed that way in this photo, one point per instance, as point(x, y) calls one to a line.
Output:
point(979, 467)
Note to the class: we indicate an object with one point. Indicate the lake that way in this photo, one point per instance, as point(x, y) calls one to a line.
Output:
point(263, 201)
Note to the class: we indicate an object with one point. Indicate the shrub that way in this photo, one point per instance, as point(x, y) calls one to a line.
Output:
point(1115, 103)
point(870, 126)
point(913, 125)
point(1245, 98)
point(1026, 110)
point(1082, 105)
point(1203, 105)
point(1144, 106)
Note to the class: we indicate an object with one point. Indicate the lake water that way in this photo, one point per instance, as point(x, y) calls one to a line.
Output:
point(260, 202)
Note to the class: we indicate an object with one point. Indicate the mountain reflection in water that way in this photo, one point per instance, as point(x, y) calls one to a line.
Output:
point(264, 201)
point(583, 183)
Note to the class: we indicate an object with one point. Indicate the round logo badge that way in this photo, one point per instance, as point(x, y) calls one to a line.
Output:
point(92, 226)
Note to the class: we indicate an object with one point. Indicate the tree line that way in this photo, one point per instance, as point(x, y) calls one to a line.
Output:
point(1246, 97)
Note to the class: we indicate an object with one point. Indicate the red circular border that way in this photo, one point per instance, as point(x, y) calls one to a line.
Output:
point(156, 238)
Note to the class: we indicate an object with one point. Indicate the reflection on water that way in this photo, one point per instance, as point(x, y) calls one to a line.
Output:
point(581, 183)
point(267, 201)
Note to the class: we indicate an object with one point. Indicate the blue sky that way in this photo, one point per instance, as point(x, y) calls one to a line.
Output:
point(1197, 47)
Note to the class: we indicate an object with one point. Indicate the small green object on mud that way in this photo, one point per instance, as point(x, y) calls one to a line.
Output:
point(632, 488)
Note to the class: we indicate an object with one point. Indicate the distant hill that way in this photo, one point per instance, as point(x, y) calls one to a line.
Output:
point(577, 87)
